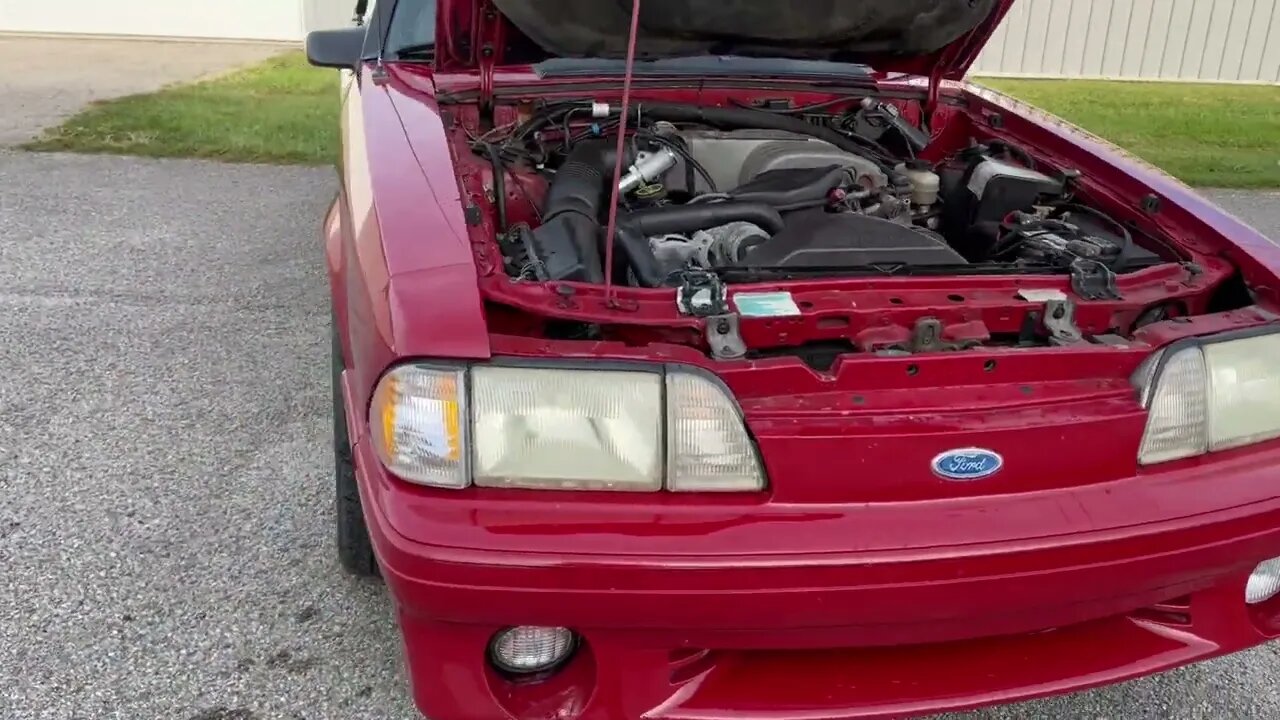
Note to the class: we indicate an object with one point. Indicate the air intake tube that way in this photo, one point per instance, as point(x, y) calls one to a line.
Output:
point(567, 244)
point(579, 185)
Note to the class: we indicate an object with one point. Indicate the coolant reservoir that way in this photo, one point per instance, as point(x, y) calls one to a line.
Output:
point(925, 183)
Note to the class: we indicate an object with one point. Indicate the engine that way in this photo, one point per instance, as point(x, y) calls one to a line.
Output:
point(753, 191)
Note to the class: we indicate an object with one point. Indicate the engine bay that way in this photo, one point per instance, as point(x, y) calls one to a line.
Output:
point(812, 226)
point(767, 193)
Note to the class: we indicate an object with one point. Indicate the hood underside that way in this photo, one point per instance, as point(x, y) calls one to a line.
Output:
point(837, 30)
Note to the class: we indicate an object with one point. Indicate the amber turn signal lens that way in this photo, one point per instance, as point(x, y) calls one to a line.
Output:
point(418, 425)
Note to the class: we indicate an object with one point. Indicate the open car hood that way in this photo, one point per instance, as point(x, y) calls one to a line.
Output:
point(926, 37)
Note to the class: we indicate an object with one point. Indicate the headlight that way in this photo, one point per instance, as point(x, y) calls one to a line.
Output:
point(1215, 394)
point(567, 429)
point(562, 429)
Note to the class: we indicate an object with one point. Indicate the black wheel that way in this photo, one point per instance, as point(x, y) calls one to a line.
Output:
point(355, 551)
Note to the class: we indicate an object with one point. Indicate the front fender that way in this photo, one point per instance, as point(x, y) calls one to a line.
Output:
point(411, 285)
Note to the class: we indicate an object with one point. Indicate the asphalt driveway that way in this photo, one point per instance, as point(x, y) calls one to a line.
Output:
point(47, 79)
point(165, 533)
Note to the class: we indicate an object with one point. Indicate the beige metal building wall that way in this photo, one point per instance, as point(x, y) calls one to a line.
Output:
point(239, 19)
point(1210, 40)
point(327, 14)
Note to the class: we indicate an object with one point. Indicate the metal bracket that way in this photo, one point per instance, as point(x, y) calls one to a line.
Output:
point(701, 294)
point(927, 337)
point(1060, 320)
point(1029, 333)
point(1093, 281)
point(723, 337)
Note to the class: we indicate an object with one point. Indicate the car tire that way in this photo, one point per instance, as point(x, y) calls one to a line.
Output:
point(355, 549)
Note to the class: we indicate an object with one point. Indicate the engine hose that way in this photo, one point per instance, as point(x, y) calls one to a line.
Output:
point(674, 219)
point(644, 264)
point(499, 187)
point(811, 188)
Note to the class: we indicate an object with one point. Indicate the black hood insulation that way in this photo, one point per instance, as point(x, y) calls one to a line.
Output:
point(838, 30)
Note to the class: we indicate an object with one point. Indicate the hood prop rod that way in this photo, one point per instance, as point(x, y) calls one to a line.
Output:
point(614, 194)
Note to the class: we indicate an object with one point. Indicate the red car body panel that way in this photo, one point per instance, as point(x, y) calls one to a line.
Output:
point(858, 585)
point(738, 611)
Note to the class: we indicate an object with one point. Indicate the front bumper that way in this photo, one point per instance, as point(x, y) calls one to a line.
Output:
point(718, 608)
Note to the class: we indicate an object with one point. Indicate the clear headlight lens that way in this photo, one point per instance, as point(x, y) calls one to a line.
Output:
point(1244, 391)
point(562, 429)
point(567, 429)
point(1176, 427)
point(1213, 396)
point(417, 423)
point(708, 448)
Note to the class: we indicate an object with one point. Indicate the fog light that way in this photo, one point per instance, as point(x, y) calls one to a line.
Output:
point(527, 649)
point(1264, 583)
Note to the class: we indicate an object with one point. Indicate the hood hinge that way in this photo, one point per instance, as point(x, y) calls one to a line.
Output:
point(488, 43)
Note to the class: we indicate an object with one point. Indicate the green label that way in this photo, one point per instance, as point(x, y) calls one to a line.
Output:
point(766, 305)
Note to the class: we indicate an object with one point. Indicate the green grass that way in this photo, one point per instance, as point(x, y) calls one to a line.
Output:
point(1206, 135)
point(284, 111)
point(280, 111)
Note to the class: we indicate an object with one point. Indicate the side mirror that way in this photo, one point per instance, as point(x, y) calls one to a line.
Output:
point(340, 49)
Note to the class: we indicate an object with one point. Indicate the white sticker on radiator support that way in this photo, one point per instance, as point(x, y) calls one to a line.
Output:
point(766, 305)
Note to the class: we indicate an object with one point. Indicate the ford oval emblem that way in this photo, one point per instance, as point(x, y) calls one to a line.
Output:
point(967, 464)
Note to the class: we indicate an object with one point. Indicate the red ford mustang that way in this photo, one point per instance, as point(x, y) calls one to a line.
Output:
point(706, 360)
